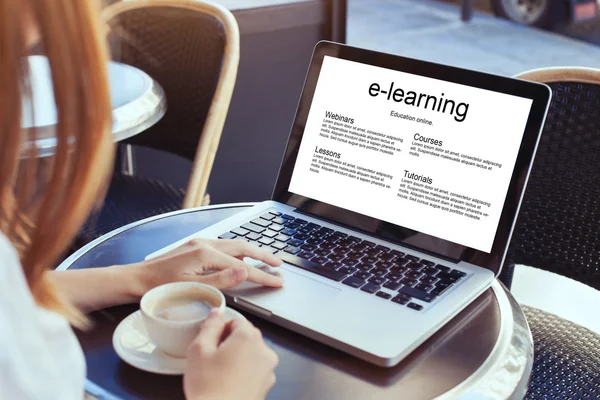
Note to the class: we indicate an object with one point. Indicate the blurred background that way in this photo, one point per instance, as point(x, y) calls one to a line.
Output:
point(277, 36)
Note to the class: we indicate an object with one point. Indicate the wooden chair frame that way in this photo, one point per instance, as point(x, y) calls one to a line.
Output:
point(215, 120)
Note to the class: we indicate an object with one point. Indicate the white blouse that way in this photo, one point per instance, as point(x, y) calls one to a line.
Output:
point(40, 357)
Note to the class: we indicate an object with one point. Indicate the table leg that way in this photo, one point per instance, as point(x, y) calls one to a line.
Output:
point(466, 10)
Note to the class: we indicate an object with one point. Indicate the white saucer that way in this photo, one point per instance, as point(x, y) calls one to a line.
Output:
point(132, 344)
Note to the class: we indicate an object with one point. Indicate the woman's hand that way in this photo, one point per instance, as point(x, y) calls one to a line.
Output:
point(94, 288)
point(229, 361)
point(221, 259)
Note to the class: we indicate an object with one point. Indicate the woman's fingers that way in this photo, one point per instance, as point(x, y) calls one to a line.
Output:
point(241, 248)
point(210, 335)
point(225, 279)
point(217, 260)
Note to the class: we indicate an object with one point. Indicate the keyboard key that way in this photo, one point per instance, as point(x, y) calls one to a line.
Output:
point(362, 275)
point(431, 271)
point(378, 280)
point(382, 248)
point(312, 267)
point(364, 267)
point(354, 239)
point(424, 287)
point(305, 229)
point(429, 280)
point(336, 257)
point(442, 268)
point(370, 288)
point(402, 262)
point(384, 264)
point(291, 225)
point(333, 265)
point(383, 295)
point(399, 270)
point(269, 233)
point(348, 270)
point(394, 277)
point(413, 274)
point(419, 294)
point(268, 216)
point(349, 262)
point(379, 272)
point(397, 253)
point(279, 245)
point(415, 266)
point(261, 222)
point(427, 263)
point(276, 227)
point(440, 288)
point(409, 282)
point(328, 245)
point(301, 236)
point(309, 247)
point(354, 282)
point(288, 231)
point(307, 255)
point(370, 260)
point(253, 228)
point(415, 306)
point(322, 252)
point(292, 250)
point(279, 220)
point(387, 257)
point(300, 221)
point(253, 236)
point(340, 234)
point(282, 238)
point(458, 273)
point(411, 257)
point(370, 251)
point(295, 242)
point(313, 225)
point(227, 235)
point(275, 213)
point(367, 243)
point(320, 260)
point(446, 277)
point(313, 240)
point(266, 241)
point(286, 217)
point(392, 285)
point(401, 299)
point(240, 231)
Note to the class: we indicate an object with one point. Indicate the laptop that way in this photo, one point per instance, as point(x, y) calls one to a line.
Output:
point(395, 200)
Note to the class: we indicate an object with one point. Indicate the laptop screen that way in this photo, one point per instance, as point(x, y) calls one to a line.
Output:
point(422, 160)
point(430, 155)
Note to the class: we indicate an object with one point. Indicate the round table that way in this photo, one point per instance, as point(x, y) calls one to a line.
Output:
point(138, 102)
point(485, 352)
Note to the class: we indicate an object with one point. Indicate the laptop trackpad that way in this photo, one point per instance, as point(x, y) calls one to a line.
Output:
point(298, 293)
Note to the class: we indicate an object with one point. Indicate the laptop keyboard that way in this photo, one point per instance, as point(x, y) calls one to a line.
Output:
point(357, 263)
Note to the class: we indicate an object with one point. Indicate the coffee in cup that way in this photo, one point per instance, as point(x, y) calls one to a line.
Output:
point(173, 313)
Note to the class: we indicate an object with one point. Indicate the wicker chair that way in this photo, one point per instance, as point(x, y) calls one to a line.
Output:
point(191, 48)
point(557, 231)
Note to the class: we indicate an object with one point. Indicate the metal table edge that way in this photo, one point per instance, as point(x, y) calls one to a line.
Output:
point(80, 252)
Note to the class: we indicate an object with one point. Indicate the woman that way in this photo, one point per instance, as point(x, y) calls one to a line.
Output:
point(39, 354)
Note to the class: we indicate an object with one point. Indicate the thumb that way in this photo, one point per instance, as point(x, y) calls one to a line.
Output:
point(211, 331)
point(225, 279)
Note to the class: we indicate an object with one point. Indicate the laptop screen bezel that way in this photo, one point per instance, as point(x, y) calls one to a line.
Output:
point(539, 94)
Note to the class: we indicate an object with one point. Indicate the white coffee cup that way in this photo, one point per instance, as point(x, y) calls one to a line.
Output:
point(173, 335)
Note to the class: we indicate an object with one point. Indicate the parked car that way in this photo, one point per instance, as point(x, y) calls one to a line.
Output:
point(546, 14)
